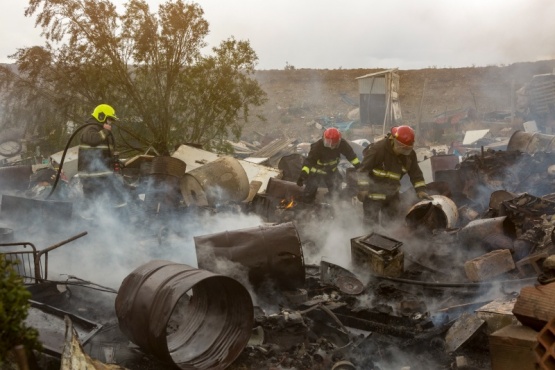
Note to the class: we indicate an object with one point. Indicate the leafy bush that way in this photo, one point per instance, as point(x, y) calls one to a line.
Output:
point(14, 305)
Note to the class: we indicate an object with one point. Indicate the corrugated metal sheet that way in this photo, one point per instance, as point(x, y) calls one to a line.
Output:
point(372, 85)
point(274, 147)
point(384, 82)
point(542, 94)
point(379, 98)
point(381, 73)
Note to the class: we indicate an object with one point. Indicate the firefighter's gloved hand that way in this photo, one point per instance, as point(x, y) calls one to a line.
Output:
point(423, 195)
point(300, 181)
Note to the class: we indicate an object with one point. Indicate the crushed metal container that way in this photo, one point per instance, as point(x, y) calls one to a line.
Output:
point(221, 181)
point(531, 142)
point(21, 210)
point(268, 252)
point(379, 254)
point(439, 213)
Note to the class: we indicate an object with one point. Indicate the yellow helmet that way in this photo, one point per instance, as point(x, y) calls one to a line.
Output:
point(104, 111)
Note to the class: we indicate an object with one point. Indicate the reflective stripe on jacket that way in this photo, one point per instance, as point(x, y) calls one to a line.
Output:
point(322, 160)
point(382, 170)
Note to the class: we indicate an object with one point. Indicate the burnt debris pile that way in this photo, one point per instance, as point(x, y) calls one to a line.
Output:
point(215, 262)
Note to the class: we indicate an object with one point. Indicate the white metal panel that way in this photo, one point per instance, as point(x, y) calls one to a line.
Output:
point(396, 108)
point(531, 126)
point(473, 136)
point(194, 157)
point(70, 161)
point(426, 168)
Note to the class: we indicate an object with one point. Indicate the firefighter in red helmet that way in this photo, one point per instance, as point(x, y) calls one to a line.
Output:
point(384, 164)
point(321, 164)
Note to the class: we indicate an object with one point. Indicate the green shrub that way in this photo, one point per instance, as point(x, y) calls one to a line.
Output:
point(14, 305)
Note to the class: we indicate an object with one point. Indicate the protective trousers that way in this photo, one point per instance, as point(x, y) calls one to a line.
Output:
point(331, 180)
point(372, 209)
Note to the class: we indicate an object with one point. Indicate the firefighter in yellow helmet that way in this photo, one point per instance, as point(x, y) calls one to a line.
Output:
point(97, 159)
point(384, 164)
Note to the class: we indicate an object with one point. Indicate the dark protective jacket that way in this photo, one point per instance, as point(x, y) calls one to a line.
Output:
point(324, 161)
point(95, 151)
point(382, 170)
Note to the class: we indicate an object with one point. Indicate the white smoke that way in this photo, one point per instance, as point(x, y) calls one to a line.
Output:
point(113, 248)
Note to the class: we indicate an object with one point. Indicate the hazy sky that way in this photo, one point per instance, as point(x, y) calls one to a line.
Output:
point(358, 33)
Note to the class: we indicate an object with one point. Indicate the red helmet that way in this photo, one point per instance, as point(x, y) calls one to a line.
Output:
point(332, 137)
point(404, 134)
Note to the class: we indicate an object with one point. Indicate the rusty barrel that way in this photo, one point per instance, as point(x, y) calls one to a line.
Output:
point(216, 182)
point(269, 252)
point(192, 318)
point(528, 142)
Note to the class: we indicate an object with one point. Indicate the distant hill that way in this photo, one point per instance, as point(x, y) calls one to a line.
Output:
point(299, 96)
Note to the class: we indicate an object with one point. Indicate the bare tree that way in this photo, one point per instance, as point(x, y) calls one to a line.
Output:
point(149, 66)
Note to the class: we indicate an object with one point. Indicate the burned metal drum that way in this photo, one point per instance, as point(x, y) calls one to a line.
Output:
point(281, 189)
point(528, 142)
point(168, 166)
point(269, 252)
point(439, 213)
point(220, 181)
point(192, 318)
point(162, 187)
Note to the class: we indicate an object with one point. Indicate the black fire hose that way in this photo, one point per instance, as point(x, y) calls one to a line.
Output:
point(65, 152)
point(457, 285)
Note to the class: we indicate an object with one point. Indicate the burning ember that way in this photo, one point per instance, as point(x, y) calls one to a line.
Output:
point(287, 203)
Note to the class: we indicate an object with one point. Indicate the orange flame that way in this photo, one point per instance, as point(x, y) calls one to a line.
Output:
point(287, 203)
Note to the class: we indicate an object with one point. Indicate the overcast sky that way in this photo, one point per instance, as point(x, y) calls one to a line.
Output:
point(351, 34)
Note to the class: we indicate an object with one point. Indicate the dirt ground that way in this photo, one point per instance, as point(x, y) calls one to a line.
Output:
point(299, 97)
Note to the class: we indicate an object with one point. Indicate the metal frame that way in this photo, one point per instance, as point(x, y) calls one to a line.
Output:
point(29, 265)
